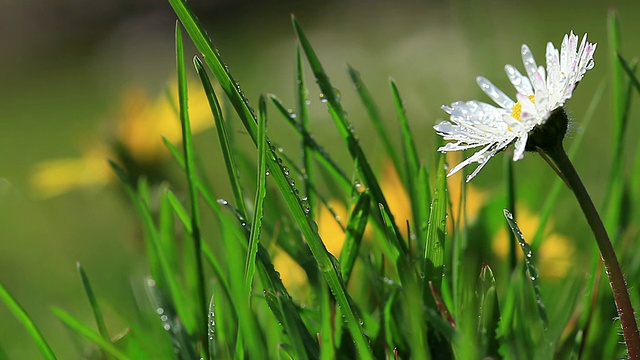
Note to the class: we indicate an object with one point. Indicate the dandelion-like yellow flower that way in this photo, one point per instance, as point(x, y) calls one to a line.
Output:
point(142, 121)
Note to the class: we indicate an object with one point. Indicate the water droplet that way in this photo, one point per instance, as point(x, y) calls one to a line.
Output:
point(307, 210)
point(268, 173)
point(160, 311)
point(164, 318)
point(338, 95)
point(323, 98)
point(167, 327)
point(223, 202)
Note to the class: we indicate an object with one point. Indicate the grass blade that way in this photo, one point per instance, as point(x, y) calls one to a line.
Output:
point(376, 119)
point(162, 271)
point(355, 230)
point(261, 190)
point(223, 136)
point(302, 113)
point(615, 189)
point(26, 321)
point(412, 167)
point(488, 313)
point(248, 118)
point(344, 128)
point(89, 334)
point(187, 143)
point(433, 257)
point(531, 269)
point(97, 313)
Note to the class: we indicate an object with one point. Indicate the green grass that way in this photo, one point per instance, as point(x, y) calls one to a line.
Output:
point(422, 287)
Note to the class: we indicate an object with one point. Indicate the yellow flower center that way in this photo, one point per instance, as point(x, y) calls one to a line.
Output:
point(516, 110)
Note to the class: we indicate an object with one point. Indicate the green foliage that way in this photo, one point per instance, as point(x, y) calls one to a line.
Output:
point(417, 286)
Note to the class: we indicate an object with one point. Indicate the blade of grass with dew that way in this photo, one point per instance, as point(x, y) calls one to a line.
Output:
point(358, 219)
point(183, 216)
point(615, 185)
point(97, 313)
point(170, 321)
point(187, 143)
point(88, 333)
point(531, 269)
point(267, 267)
point(211, 328)
point(321, 154)
point(27, 322)
point(161, 274)
point(302, 98)
point(417, 191)
point(240, 103)
point(261, 190)
point(376, 119)
point(269, 276)
point(295, 330)
point(433, 256)
point(223, 137)
point(344, 128)
point(558, 184)
point(488, 313)
point(511, 205)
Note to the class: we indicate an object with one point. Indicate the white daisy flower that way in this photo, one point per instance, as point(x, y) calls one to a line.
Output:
point(477, 124)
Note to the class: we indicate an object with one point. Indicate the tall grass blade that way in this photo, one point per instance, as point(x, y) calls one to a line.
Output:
point(433, 256)
point(355, 230)
point(223, 136)
point(89, 334)
point(531, 269)
point(162, 271)
point(261, 190)
point(170, 321)
point(488, 313)
point(248, 118)
point(302, 98)
point(97, 313)
point(320, 153)
point(412, 168)
point(511, 204)
point(211, 328)
point(26, 321)
point(295, 329)
point(615, 189)
point(187, 143)
point(327, 344)
point(344, 128)
point(376, 119)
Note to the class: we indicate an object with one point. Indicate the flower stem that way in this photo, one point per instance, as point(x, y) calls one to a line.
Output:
point(620, 293)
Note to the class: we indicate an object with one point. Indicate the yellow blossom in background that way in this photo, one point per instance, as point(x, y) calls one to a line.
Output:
point(141, 123)
point(555, 254)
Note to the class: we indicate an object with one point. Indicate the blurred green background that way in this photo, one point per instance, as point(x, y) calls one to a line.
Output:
point(66, 64)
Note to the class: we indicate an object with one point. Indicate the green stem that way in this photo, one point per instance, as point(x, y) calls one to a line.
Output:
point(614, 272)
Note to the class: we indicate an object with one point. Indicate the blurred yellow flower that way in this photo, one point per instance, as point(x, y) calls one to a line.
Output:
point(553, 258)
point(135, 141)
